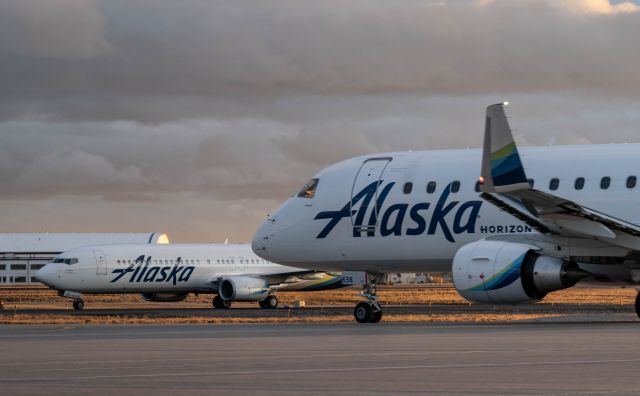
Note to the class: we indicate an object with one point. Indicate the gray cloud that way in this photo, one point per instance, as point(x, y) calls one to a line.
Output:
point(199, 59)
point(44, 29)
point(196, 118)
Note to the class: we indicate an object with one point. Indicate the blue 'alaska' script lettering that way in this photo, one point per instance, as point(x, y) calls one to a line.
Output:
point(450, 217)
point(142, 271)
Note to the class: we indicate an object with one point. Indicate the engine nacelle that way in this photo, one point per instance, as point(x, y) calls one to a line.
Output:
point(164, 297)
point(243, 288)
point(497, 272)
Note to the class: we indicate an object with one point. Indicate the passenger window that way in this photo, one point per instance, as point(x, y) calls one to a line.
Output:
point(407, 188)
point(455, 186)
point(531, 182)
point(431, 187)
point(579, 183)
point(605, 182)
point(631, 181)
point(309, 189)
point(554, 183)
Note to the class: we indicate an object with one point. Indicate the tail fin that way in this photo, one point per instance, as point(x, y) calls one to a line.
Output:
point(502, 169)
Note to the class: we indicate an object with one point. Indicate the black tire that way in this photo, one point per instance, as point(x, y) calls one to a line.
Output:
point(271, 302)
point(376, 316)
point(363, 312)
point(219, 303)
point(638, 304)
point(78, 305)
point(261, 304)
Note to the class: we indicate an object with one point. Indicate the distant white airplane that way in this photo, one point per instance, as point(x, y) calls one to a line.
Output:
point(510, 236)
point(167, 273)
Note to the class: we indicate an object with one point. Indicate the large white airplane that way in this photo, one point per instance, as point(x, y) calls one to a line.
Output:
point(169, 272)
point(510, 236)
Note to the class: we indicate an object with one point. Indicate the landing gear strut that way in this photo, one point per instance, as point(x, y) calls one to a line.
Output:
point(369, 311)
point(219, 303)
point(271, 302)
point(78, 305)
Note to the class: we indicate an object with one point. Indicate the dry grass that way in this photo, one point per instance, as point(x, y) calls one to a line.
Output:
point(295, 317)
point(42, 298)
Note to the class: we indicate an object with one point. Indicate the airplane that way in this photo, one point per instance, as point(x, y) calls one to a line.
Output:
point(169, 272)
point(510, 227)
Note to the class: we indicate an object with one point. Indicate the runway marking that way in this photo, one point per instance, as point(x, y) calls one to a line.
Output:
point(320, 370)
point(252, 357)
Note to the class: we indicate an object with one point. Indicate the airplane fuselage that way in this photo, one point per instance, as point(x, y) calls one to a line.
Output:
point(153, 268)
point(412, 211)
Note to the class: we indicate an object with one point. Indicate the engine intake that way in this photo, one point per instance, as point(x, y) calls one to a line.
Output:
point(497, 272)
point(243, 288)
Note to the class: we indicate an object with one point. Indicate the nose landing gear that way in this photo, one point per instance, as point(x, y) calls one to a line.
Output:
point(369, 311)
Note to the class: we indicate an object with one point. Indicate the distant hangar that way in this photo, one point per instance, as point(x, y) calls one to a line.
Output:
point(21, 255)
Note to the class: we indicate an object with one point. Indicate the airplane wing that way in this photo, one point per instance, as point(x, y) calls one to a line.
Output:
point(504, 184)
point(280, 277)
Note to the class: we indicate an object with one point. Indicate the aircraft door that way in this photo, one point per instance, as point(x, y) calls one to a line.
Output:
point(369, 175)
point(101, 262)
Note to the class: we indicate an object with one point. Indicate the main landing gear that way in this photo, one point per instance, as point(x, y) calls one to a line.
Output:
point(637, 305)
point(369, 311)
point(78, 305)
point(219, 303)
point(271, 302)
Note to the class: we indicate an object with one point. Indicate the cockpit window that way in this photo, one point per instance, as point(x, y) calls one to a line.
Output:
point(68, 261)
point(309, 189)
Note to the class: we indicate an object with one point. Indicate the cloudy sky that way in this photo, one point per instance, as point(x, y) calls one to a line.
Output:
point(198, 117)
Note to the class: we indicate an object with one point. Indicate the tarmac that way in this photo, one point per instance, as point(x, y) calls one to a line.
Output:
point(563, 358)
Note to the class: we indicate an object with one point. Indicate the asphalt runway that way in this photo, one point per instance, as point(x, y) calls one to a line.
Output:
point(565, 358)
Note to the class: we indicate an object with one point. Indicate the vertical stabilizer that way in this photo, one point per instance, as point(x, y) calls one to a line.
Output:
point(502, 169)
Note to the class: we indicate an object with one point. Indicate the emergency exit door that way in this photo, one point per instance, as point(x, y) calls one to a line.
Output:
point(101, 262)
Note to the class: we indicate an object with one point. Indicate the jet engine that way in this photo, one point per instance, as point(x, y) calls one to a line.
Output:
point(164, 297)
point(243, 288)
point(497, 272)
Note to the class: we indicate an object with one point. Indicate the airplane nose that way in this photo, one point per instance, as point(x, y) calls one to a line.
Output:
point(260, 240)
point(46, 275)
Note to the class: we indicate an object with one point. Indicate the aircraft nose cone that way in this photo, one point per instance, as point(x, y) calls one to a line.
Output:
point(46, 275)
point(260, 240)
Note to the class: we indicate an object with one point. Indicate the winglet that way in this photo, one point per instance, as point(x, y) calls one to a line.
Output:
point(502, 169)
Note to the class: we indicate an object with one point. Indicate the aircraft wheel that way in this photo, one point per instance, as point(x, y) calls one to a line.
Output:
point(78, 305)
point(271, 302)
point(219, 303)
point(376, 316)
point(363, 312)
point(638, 304)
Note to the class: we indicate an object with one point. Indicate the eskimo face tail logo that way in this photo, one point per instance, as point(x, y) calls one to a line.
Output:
point(394, 216)
point(141, 271)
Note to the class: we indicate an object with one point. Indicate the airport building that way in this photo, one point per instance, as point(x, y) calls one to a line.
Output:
point(21, 255)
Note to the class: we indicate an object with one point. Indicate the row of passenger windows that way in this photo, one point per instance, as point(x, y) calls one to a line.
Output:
point(554, 184)
point(197, 262)
point(579, 183)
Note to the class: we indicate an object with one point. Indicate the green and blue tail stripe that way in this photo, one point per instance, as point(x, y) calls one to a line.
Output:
point(506, 167)
point(504, 278)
